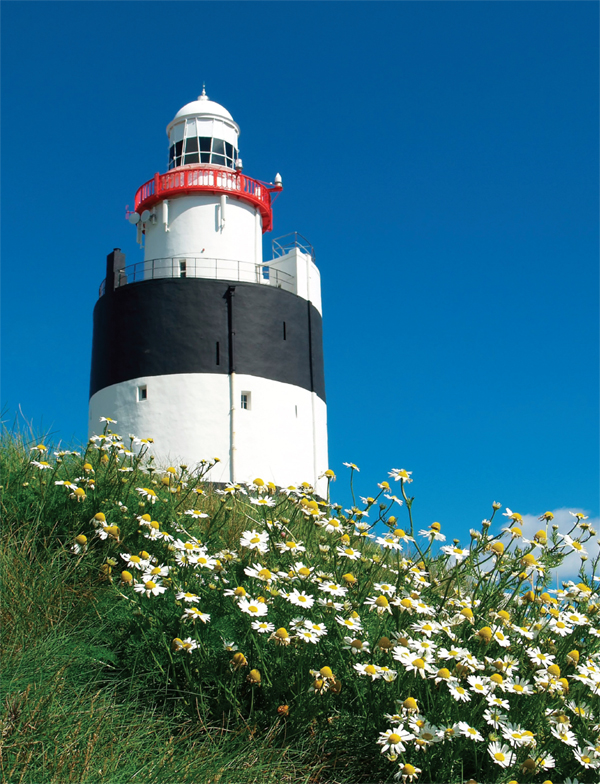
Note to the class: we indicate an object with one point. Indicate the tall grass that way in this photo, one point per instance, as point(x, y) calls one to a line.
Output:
point(160, 629)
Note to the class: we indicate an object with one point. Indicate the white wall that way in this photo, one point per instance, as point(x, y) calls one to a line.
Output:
point(282, 438)
point(305, 272)
point(196, 229)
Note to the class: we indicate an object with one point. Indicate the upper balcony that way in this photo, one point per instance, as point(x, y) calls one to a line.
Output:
point(207, 179)
point(213, 269)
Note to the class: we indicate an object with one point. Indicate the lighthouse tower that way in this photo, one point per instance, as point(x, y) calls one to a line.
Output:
point(205, 346)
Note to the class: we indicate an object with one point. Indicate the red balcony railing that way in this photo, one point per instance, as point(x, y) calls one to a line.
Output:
point(203, 179)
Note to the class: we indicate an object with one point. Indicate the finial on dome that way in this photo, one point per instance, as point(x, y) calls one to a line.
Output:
point(204, 96)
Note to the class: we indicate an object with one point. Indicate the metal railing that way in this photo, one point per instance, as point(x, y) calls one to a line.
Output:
point(214, 269)
point(203, 178)
point(283, 245)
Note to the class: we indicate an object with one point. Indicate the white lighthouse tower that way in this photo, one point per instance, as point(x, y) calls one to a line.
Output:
point(204, 346)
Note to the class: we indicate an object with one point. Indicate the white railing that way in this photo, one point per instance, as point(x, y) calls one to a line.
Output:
point(215, 269)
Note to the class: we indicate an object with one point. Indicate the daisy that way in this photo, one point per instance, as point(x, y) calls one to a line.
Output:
point(203, 560)
point(147, 493)
point(408, 772)
point(432, 534)
point(558, 626)
point(566, 736)
point(194, 614)
point(349, 552)
point(378, 603)
point(477, 685)
point(150, 588)
point(332, 525)
point(518, 686)
point(188, 645)
point(135, 562)
point(399, 474)
point(187, 597)
point(501, 638)
point(497, 702)
point(291, 547)
point(259, 572)
point(256, 609)
point(195, 514)
point(262, 501)
point(501, 755)
point(333, 588)
point(540, 658)
point(494, 718)
point(459, 693)
point(263, 627)
point(468, 731)
point(156, 571)
point(388, 590)
point(457, 554)
point(586, 758)
point(300, 599)
point(393, 740)
point(308, 636)
point(350, 623)
point(389, 542)
point(575, 545)
point(371, 670)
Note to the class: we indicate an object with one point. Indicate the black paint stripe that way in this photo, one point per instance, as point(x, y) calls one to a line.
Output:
point(169, 326)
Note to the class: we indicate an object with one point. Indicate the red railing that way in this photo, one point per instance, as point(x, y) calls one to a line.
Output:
point(207, 180)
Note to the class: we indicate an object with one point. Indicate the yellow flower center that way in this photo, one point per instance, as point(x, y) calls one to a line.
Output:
point(150, 585)
point(499, 756)
point(370, 669)
point(394, 738)
point(326, 672)
point(419, 664)
point(264, 574)
point(253, 608)
point(381, 601)
point(282, 633)
point(444, 673)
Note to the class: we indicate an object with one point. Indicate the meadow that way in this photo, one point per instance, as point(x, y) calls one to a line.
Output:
point(159, 628)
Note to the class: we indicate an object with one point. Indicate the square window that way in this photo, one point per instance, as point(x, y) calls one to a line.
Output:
point(245, 400)
point(142, 393)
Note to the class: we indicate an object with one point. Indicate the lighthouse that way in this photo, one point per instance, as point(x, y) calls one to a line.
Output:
point(205, 346)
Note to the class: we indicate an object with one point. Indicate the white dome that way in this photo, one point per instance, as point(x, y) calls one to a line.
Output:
point(203, 107)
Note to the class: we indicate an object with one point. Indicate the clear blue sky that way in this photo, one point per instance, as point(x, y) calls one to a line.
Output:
point(442, 158)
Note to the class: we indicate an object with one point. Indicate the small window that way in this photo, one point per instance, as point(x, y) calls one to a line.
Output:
point(183, 268)
point(204, 157)
point(142, 393)
point(245, 401)
point(192, 158)
point(284, 331)
point(205, 143)
point(229, 150)
point(191, 145)
point(218, 353)
point(218, 160)
point(218, 146)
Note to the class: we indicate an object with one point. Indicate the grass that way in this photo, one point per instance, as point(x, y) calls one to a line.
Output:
point(104, 678)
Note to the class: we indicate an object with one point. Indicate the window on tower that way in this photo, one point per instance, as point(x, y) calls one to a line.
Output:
point(202, 149)
point(245, 400)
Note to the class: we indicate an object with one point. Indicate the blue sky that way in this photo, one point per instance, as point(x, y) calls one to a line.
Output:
point(442, 158)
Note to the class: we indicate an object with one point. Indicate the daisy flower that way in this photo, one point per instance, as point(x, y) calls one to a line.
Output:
point(188, 645)
point(352, 466)
point(148, 494)
point(187, 597)
point(389, 542)
point(494, 718)
point(262, 501)
point(333, 588)
point(331, 525)
point(306, 635)
point(135, 562)
point(457, 554)
point(194, 614)
point(575, 545)
point(291, 547)
point(518, 686)
point(379, 603)
point(587, 758)
point(468, 731)
point(389, 590)
point(565, 736)
point(501, 754)
point(150, 588)
point(355, 646)
point(393, 740)
point(259, 572)
point(459, 693)
point(558, 626)
point(300, 599)
point(263, 627)
point(371, 670)
point(195, 514)
point(407, 771)
point(400, 474)
point(256, 609)
point(350, 623)
point(349, 552)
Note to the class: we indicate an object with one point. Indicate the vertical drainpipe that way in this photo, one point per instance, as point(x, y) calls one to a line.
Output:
point(312, 384)
point(231, 345)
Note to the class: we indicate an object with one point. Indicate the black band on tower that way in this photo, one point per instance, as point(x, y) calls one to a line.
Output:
point(168, 326)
